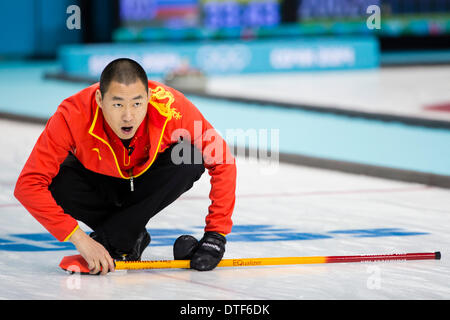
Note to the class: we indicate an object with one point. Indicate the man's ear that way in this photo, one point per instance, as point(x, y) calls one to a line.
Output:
point(98, 98)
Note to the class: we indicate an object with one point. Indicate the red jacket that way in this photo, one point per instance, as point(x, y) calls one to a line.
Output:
point(78, 126)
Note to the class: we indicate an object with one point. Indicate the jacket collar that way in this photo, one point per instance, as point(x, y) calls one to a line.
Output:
point(158, 114)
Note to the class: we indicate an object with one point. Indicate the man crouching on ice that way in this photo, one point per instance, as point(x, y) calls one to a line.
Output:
point(110, 157)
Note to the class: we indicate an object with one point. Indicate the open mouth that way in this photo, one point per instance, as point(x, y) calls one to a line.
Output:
point(126, 130)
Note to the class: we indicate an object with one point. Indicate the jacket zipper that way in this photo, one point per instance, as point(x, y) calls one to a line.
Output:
point(131, 180)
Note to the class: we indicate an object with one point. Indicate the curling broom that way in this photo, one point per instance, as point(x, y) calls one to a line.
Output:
point(77, 264)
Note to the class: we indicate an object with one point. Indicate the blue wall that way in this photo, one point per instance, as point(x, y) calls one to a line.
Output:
point(229, 57)
point(35, 27)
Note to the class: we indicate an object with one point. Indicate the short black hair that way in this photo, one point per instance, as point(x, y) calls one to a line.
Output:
point(123, 70)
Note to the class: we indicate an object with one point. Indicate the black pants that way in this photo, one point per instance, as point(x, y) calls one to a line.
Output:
point(107, 204)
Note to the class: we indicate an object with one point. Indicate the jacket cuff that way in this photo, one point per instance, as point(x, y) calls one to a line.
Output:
point(70, 234)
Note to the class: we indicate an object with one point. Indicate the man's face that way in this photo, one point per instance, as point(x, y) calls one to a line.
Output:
point(124, 107)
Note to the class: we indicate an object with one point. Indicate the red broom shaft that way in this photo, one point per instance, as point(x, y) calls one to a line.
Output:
point(385, 257)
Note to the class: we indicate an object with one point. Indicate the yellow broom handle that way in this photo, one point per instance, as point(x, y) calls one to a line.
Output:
point(185, 264)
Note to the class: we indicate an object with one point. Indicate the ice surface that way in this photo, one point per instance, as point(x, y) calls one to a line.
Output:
point(395, 91)
point(291, 211)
